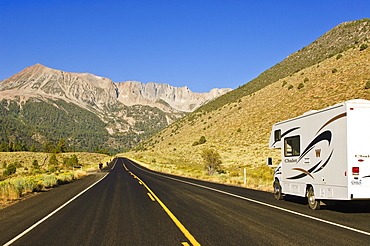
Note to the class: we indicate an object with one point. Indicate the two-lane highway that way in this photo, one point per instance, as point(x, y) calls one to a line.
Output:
point(136, 206)
point(115, 211)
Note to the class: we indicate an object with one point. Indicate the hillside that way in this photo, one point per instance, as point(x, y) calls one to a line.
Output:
point(239, 130)
point(40, 104)
point(339, 39)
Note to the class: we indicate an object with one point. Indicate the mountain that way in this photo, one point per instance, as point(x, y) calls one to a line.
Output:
point(237, 125)
point(88, 90)
point(47, 104)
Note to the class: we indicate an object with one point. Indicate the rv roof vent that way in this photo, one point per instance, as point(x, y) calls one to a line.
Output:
point(310, 112)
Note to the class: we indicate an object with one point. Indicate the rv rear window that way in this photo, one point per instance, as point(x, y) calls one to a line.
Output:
point(277, 135)
point(292, 146)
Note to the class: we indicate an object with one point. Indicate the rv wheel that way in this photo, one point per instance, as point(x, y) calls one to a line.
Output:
point(312, 202)
point(277, 190)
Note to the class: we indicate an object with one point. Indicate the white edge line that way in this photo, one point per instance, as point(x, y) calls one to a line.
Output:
point(262, 203)
point(52, 213)
point(115, 162)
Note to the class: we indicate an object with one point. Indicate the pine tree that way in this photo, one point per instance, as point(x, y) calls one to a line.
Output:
point(61, 148)
point(53, 163)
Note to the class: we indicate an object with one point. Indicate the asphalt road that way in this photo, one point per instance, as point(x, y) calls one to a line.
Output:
point(135, 206)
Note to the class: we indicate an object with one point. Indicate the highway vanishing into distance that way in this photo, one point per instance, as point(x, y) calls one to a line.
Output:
point(127, 204)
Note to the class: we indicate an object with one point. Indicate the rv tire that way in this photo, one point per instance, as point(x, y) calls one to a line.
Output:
point(312, 202)
point(277, 190)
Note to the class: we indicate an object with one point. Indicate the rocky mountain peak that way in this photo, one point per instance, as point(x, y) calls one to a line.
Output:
point(155, 94)
point(86, 90)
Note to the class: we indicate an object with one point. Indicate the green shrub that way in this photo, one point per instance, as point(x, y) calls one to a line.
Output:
point(305, 80)
point(334, 70)
point(35, 164)
point(53, 161)
point(10, 169)
point(363, 47)
point(339, 56)
point(290, 87)
point(65, 178)
point(202, 140)
point(47, 181)
point(284, 83)
point(71, 161)
point(212, 160)
point(367, 85)
point(300, 86)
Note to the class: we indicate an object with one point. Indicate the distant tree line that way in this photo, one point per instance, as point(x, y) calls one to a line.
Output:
point(48, 147)
point(41, 127)
point(37, 125)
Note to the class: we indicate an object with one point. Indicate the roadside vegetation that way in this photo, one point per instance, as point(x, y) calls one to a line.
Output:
point(257, 177)
point(23, 173)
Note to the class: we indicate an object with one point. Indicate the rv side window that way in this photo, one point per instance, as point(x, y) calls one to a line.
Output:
point(277, 135)
point(292, 146)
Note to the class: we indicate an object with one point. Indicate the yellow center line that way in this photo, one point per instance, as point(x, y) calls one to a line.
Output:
point(125, 167)
point(151, 197)
point(182, 228)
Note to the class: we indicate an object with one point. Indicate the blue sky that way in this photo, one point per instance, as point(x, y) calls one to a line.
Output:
point(199, 44)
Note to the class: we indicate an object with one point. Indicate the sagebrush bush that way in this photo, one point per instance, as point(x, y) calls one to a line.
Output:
point(212, 160)
point(363, 47)
point(10, 169)
point(202, 140)
point(367, 85)
point(14, 188)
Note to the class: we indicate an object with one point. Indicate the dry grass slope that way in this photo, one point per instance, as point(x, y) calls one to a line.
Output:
point(240, 130)
point(339, 39)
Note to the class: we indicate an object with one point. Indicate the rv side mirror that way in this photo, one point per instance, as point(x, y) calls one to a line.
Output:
point(269, 161)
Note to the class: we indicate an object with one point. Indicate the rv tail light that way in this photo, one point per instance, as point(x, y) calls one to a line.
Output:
point(355, 170)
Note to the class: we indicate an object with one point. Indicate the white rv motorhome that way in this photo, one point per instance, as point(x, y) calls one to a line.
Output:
point(325, 154)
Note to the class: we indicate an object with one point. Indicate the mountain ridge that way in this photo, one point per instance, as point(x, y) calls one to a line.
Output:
point(344, 36)
point(46, 81)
